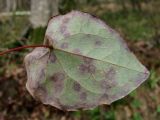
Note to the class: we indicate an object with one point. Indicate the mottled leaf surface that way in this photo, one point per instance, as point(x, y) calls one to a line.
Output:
point(89, 65)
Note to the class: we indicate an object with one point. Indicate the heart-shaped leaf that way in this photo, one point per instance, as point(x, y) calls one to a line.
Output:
point(89, 65)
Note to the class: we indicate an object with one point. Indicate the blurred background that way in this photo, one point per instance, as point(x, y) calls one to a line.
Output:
point(23, 22)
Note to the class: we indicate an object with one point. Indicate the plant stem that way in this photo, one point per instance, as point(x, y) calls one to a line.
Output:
point(23, 47)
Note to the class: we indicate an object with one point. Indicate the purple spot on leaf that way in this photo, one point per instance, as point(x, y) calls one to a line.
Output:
point(66, 20)
point(58, 81)
point(98, 43)
point(109, 81)
point(82, 68)
point(88, 35)
point(91, 69)
point(77, 51)
point(83, 96)
point(111, 31)
point(42, 74)
point(87, 68)
point(106, 84)
point(52, 58)
point(87, 60)
point(76, 86)
point(66, 34)
point(63, 29)
point(58, 77)
point(64, 45)
point(110, 74)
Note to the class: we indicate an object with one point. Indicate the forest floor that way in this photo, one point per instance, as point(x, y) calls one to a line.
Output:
point(142, 104)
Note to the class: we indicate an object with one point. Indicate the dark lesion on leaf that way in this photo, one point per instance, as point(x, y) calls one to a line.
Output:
point(88, 35)
point(52, 58)
point(66, 20)
point(87, 60)
point(83, 96)
point(106, 84)
point(110, 74)
point(77, 51)
point(58, 77)
point(87, 68)
point(40, 93)
point(64, 45)
point(111, 31)
point(42, 74)
point(91, 69)
point(76, 86)
point(98, 43)
point(63, 30)
point(58, 81)
point(109, 80)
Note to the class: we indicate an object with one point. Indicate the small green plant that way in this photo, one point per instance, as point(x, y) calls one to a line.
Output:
point(136, 103)
point(77, 114)
point(97, 114)
point(110, 115)
point(153, 80)
point(158, 109)
point(137, 116)
point(133, 93)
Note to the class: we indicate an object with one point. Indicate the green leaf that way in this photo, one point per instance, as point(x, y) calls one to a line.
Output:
point(136, 103)
point(89, 65)
point(158, 109)
point(137, 116)
point(153, 80)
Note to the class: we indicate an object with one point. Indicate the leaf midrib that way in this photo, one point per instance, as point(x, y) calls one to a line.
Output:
point(99, 60)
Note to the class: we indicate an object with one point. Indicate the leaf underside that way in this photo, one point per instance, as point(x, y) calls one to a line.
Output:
point(90, 64)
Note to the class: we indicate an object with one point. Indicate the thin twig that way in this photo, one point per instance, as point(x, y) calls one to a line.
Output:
point(23, 47)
